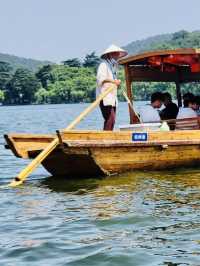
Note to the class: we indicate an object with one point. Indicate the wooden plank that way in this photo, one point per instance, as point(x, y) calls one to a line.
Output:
point(109, 143)
point(103, 135)
point(114, 160)
point(127, 135)
point(187, 124)
point(18, 136)
point(21, 146)
point(11, 144)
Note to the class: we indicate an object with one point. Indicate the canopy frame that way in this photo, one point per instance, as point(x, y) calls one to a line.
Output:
point(138, 69)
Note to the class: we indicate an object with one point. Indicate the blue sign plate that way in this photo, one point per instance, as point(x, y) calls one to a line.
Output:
point(139, 136)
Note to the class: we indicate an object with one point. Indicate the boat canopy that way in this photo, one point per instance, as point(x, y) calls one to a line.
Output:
point(179, 66)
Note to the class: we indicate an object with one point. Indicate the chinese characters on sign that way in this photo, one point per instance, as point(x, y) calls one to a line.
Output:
point(139, 136)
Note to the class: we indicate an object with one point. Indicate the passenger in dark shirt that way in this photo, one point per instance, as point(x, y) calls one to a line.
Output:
point(170, 111)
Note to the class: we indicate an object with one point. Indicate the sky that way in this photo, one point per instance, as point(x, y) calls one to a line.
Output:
point(57, 30)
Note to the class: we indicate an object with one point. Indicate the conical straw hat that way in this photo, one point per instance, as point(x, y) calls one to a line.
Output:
point(112, 49)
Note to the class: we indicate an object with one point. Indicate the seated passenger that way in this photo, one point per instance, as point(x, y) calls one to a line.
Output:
point(171, 109)
point(188, 111)
point(188, 96)
point(197, 100)
point(149, 112)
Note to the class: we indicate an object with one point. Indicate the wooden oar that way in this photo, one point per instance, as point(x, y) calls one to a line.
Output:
point(130, 104)
point(35, 162)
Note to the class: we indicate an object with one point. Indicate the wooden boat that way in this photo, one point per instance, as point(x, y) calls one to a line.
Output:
point(98, 153)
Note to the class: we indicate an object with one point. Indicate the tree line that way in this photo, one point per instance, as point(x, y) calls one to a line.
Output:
point(74, 81)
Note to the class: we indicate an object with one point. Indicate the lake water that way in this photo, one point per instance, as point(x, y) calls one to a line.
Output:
point(140, 218)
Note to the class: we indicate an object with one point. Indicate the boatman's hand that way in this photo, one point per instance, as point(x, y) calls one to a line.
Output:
point(117, 82)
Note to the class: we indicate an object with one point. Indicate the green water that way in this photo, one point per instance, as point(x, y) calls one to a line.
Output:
point(139, 218)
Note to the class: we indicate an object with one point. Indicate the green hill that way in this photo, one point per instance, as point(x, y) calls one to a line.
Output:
point(75, 80)
point(180, 39)
point(20, 62)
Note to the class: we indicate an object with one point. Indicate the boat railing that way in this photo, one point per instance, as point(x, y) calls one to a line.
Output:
point(184, 123)
point(174, 124)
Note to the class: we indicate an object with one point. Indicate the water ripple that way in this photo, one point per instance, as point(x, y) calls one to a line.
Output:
point(140, 218)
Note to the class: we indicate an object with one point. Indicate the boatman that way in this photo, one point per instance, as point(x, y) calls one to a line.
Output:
point(106, 77)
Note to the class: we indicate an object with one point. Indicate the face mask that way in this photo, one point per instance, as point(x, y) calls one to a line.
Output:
point(114, 65)
point(114, 62)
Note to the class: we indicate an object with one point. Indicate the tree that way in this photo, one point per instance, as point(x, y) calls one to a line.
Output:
point(60, 91)
point(91, 60)
point(2, 96)
point(22, 87)
point(182, 34)
point(74, 62)
point(44, 75)
point(42, 96)
point(71, 84)
point(5, 74)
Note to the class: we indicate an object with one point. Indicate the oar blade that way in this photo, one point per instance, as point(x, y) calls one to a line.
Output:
point(15, 183)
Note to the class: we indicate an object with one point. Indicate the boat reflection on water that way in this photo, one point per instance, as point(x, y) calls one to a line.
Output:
point(160, 192)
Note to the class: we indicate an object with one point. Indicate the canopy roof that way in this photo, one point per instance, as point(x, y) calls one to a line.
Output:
point(180, 65)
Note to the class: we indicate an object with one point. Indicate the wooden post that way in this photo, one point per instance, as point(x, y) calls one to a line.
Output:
point(178, 93)
point(133, 117)
point(178, 87)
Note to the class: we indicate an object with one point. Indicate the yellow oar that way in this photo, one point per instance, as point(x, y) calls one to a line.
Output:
point(34, 163)
point(130, 104)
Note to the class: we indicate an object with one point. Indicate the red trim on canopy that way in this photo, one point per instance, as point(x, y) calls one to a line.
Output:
point(169, 63)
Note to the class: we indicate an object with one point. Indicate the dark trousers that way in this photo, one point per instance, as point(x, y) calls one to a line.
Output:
point(109, 114)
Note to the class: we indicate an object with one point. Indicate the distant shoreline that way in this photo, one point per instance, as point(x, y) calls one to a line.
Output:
point(28, 104)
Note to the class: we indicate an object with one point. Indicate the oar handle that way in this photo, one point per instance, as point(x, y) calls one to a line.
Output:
point(35, 162)
point(90, 107)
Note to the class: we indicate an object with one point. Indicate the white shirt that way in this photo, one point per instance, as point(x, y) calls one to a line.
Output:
point(149, 114)
point(186, 112)
point(104, 72)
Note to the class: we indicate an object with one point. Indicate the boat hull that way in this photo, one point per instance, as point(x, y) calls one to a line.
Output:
point(91, 154)
point(116, 160)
